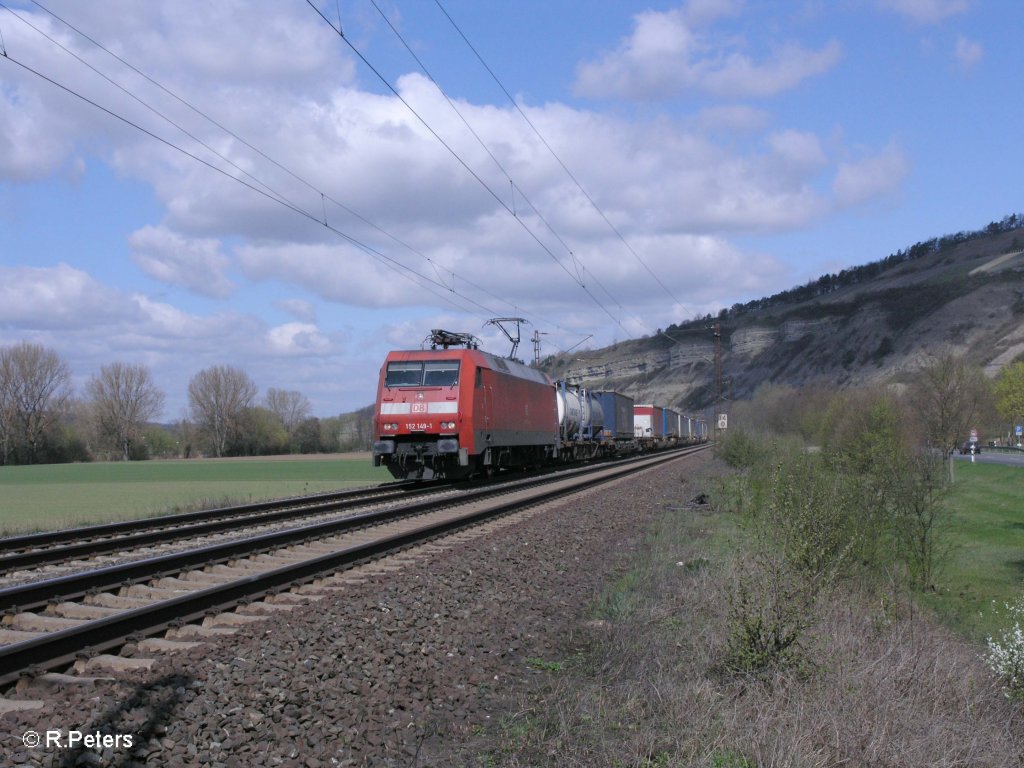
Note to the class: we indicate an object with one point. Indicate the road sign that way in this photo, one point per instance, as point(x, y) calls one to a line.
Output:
point(1020, 430)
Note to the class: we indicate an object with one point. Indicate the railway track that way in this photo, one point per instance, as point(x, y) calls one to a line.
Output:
point(51, 623)
point(52, 547)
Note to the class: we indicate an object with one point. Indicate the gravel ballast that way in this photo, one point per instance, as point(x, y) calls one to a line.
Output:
point(397, 670)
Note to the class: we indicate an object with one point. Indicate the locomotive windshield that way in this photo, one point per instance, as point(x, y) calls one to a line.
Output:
point(434, 373)
point(441, 373)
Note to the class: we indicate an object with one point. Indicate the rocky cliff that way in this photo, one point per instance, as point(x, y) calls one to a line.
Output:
point(963, 293)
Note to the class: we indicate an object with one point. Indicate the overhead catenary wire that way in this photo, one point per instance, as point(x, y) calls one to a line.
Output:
point(389, 262)
point(135, 98)
point(578, 265)
point(446, 292)
point(463, 163)
point(320, 192)
point(257, 185)
point(565, 168)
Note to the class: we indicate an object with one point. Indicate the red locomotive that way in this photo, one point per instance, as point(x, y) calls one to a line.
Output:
point(457, 412)
point(454, 413)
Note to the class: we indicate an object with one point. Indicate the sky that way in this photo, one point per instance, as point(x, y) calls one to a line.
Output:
point(294, 188)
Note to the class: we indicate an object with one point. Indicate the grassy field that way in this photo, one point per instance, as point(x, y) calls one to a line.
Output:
point(47, 497)
point(986, 562)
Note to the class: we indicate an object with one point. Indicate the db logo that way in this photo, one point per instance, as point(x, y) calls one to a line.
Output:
point(419, 407)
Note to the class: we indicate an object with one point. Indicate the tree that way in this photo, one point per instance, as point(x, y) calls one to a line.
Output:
point(920, 517)
point(6, 410)
point(355, 429)
point(948, 396)
point(123, 398)
point(1009, 392)
point(218, 398)
point(291, 407)
point(306, 438)
point(260, 434)
point(35, 387)
point(161, 441)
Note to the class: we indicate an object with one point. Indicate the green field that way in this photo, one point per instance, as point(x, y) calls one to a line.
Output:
point(47, 497)
point(986, 562)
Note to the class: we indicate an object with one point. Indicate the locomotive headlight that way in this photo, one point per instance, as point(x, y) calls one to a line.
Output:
point(447, 425)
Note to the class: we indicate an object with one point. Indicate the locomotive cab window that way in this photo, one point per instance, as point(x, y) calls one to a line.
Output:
point(435, 373)
point(403, 375)
point(441, 373)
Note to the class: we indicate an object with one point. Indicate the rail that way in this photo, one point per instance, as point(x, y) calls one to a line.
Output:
point(61, 647)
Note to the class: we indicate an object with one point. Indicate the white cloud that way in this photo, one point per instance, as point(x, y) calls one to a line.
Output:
point(89, 324)
point(925, 11)
point(26, 153)
point(677, 188)
point(799, 152)
point(703, 12)
point(735, 117)
point(657, 181)
point(872, 177)
point(231, 43)
point(60, 297)
point(668, 53)
point(368, 152)
point(968, 52)
point(297, 339)
point(785, 69)
point(193, 263)
point(338, 273)
point(168, 322)
point(39, 127)
point(300, 309)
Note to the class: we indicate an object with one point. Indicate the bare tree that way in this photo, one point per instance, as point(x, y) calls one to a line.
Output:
point(6, 409)
point(218, 397)
point(291, 407)
point(948, 396)
point(123, 398)
point(35, 387)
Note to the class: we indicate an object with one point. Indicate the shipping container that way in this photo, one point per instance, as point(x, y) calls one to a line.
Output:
point(648, 421)
point(618, 415)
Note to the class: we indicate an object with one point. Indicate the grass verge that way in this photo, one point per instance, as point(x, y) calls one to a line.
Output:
point(48, 497)
point(986, 562)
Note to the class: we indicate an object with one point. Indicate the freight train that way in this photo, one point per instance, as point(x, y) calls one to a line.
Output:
point(455, 413)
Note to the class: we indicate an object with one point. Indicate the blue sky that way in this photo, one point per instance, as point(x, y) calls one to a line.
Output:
point(719, 150)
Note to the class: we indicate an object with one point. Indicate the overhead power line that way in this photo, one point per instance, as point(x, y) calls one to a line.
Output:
point(324, 196)
point(577, 263)
point(389, 262)
point(387, 84)
point(565, 168)
point(257, 185)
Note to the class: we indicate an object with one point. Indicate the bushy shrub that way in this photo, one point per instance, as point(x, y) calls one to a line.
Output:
point(740, 450)
point(920, 518)
point(805, 529)
point(863, 505)
point(811, 515)
point(770, 608)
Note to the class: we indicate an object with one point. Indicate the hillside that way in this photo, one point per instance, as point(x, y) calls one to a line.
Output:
point(870, 324)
